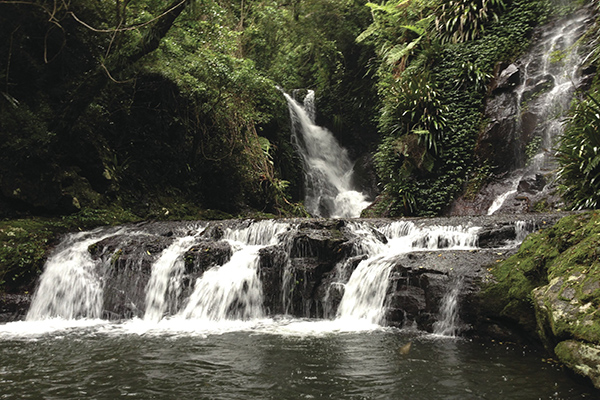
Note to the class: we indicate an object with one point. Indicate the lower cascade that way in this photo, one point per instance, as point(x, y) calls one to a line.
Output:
point(275, 309)
point(371, 273)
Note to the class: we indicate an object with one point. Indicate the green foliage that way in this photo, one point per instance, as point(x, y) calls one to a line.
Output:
point(579, 156)
point(436, 94)
point(532, 148)
point(462, 20)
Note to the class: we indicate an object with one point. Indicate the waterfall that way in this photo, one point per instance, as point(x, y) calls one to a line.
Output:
point(70, 288)
point(448, 322)
point(165, 281)
point(363, 273)
point(549, 74)
point(366, 290)
point(233, 290)
point(327, 166)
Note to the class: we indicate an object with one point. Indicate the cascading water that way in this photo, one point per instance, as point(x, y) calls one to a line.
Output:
point(70, 288)
point(327, 166)
point(165, 281)
point(365, 292)
point(548, 75)
point(448, 323)
point(232, 287)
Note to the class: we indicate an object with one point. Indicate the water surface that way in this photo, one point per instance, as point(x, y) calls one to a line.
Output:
point(267, 359)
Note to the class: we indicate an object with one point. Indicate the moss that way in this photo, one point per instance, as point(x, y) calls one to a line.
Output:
point(551, 287)
point(582, 358)
point(115, 257)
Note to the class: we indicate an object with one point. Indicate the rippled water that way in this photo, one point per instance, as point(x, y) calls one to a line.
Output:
point(285, 359)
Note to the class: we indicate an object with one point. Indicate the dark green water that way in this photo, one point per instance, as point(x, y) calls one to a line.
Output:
point(108, 361)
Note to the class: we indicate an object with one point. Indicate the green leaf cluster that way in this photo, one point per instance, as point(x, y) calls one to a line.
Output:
point(579, 155)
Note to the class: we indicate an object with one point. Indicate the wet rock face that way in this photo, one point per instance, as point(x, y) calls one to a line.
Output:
point(500, 142)
point(507, 79)
point(125, 263)
point(527, 102)
point(316, 248)
point(420, 280)
point(13, 307)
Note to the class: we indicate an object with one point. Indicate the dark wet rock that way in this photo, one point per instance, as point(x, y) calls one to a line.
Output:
point(532, 184)
point(497, 236)
point(305, 277)
point(214, 232)
point(14, 307)
point(273, 261)
point(529, 123)
point(206, 254)
point(420, 280)
point(125, 265)
point(508, 78)
point(536, 86)
point(500, 143)
point(331, 290)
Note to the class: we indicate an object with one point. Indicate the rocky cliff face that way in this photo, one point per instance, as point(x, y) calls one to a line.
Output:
point(525, 110)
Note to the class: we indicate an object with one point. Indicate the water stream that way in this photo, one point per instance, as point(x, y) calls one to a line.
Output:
point(328, 170)
point(549, 76)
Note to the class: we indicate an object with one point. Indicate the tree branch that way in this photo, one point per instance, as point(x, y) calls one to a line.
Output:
point(99, 77)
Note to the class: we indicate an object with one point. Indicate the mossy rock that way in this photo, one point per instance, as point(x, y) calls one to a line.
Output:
point(551, 289)
point(582, 358)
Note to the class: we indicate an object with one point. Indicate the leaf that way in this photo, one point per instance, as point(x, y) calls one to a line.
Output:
point(371, 29)
point(399, 51)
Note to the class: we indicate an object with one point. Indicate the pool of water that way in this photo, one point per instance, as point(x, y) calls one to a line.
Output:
point(285, 359)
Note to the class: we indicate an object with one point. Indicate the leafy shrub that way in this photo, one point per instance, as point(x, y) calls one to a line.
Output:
point(579, 156)
point(462, 20)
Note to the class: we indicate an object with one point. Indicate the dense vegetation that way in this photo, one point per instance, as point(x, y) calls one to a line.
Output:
point(579, 147)
point(167, 107)
point(434, 70)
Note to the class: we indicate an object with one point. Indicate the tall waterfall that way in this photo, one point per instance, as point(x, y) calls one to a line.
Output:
point(327, 166)
point(549, 75)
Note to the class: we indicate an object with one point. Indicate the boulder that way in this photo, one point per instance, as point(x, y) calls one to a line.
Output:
point(582, 358)
point(508, 78)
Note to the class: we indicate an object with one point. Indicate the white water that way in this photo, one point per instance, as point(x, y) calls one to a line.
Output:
point(327, 166)
point(233, 291)
point(449, 320)
point(165, 281)
point(229, 297)
point(554, 58)
point(70, 288)
point(366, 290)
